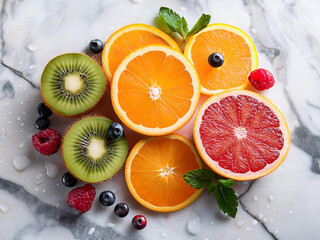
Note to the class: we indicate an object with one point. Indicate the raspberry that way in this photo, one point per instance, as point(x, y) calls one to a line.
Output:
point(261, 79)
point(47, 142)
point(81, 198)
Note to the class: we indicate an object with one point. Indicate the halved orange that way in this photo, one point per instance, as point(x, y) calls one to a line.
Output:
point(155, 90)
point(238, 50)
point(128, 39)
point(154, 172)
point(241, 135)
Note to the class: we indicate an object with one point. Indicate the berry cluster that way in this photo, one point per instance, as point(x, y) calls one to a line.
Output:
point(81, 199)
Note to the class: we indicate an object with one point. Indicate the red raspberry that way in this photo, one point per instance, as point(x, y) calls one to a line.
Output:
point(261, 79)
point(81, 198)
point(47, 142)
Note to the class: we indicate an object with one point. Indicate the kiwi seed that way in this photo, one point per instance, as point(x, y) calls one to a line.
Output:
point(89, 154)
point(72, 84)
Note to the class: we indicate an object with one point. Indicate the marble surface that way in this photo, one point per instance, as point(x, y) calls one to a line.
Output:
point(283, 205)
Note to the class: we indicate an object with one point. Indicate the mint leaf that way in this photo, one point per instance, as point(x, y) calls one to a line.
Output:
point(174, 21)
point(199, 178)
point(227, 200)
point(226, 182)
point(162, 25)
point(203, 22)
point(212, 187)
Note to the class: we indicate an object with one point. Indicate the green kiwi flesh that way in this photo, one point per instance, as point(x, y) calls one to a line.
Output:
point(89, 154)
point(72, 84)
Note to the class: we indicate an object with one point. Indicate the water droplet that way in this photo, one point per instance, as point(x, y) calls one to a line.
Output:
point(240, 223)
point(32, 66)
point(91, 231)
point(21, 145)
point(271, 220)
point(146, 11)
point(18, 118)
point(255, 198)
point(31, 99)
point(270, 198)
point(254, 222)
point(36, 189)
point(1, 161)
point(260, 215)
point(194, 226)
point(254, 30)
point(267, 206)
point(23, 113)
point(21, 124)
point(248, 229)
point(32, 47)
point(39, 178)
point(276, 231)
point(163, 234)
point(264, 220)
point(291, 211)
point(21, 163)
point(21, 130)
point(212, 222)
point(9, 122)
point(52, 169)
point(3, 208)
point(44, 190)
point(57, 184)
point(136, 1)
point(22, 102)
point(10, 112)
point(110, 225)
point(183, 9)
point(20, 62)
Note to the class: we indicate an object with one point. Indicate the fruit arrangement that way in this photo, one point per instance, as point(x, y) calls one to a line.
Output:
point(155, 90)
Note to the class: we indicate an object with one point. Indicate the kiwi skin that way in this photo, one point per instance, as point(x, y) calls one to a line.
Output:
point(89, 110)
point(88, 116)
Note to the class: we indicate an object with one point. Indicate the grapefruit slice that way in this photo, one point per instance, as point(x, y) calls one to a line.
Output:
point(241, 135)
point(129, 38)
point(239, 53)
point(154, 172)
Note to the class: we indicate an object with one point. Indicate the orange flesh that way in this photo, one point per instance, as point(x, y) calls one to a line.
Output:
point(241, 134)
point(157, 70)
point(157, 154)
point(128, 42)
point(237, 59)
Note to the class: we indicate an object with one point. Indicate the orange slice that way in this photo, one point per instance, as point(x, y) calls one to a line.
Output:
point(241, 135)
point(155, 90)
point(128, 39)
point(240, 57)
point(154, 172)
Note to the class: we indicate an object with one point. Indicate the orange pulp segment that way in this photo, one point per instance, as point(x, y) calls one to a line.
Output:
point(128, 39)
point(240, 57)
point(154, 172)
point(155, 90)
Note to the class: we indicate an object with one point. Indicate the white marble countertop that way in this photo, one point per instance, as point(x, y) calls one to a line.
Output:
point(283, 205)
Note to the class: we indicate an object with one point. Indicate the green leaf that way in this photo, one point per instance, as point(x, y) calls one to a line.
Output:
point(226, 182)
point(227, 200)
point(162, 25)
point(212, 187)
point(203, 22)
point(174, 21)
point(199, 178)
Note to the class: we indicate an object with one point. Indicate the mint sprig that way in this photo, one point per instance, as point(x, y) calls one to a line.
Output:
point(225, 195)
point(170, 21)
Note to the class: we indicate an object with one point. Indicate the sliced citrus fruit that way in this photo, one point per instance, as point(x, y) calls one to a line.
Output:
point(238, 51)
point(154, 172)
point(241, 135)
point(155, 90)
point(128, 39)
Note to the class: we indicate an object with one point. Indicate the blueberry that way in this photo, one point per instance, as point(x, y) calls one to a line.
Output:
point(42, 123)
point(121, 210)
point(139, 222)
point(95, 46)
point(107, 198)
point(216, 59)
point(69, 180)
point(43, 110)
point(115, 131)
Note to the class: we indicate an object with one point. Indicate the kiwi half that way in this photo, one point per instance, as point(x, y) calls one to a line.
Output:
point(72, 84)
point(89, 154)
